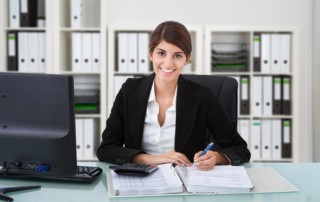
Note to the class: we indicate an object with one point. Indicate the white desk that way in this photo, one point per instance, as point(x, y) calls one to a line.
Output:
point(305, 176)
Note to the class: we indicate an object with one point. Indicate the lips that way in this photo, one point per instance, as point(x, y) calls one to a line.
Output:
point(167, 70)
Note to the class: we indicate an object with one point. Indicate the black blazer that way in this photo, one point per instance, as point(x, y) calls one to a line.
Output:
point(196, 111)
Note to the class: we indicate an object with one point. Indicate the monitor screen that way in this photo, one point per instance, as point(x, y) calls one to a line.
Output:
point(37, 124)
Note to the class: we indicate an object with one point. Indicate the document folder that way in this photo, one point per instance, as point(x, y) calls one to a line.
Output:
point(286, 95)
point(276, 139)
point(286, 139)
point(28, 13)
point(257, 82)
point(76, 13)
point(257, 52)
point(276, 106)
point(14, 13)
point(256, 139)
point(23, 52)
point(265, 53)
point(285, 53)
point(275, 53)
point(123, 55)
point(244, 95)
point(12, 51)
point(266, 139)
point(267, 96)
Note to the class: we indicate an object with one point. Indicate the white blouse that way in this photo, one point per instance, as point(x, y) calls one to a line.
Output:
point(156, 139)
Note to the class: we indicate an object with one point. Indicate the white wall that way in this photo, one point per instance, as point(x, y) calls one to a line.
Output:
point(233, 12)
point(316, 79)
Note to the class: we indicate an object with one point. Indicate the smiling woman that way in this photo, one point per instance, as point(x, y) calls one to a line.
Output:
point(163, 118)
point(170, 50)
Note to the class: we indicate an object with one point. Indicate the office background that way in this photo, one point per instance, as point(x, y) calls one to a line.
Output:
point(303, 14)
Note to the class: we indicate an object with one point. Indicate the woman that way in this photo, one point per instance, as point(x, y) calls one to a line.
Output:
point(163, 118)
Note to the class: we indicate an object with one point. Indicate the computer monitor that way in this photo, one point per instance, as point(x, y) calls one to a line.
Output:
point(37, 125)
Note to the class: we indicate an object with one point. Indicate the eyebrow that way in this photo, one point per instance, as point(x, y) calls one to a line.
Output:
point(179, 52)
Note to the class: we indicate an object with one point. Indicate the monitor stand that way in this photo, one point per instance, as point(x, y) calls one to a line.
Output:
point(12, 189)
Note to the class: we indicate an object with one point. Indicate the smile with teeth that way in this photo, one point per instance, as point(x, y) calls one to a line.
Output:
point(167, 70)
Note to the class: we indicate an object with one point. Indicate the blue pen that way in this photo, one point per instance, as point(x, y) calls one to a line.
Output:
point(206, 149)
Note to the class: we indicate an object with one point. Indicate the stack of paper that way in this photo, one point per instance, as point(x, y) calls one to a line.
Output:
point(229, 57)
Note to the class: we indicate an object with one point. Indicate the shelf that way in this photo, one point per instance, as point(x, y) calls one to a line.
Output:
point(37, 29)
point(228, 39)
point(67, 29)
point(59, 31)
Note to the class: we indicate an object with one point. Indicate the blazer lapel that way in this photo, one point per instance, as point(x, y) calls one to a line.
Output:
point(187, 108)
point(137, 106)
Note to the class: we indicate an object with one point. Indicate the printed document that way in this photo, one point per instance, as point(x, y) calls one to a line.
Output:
point(220, 179)
point(163, 181)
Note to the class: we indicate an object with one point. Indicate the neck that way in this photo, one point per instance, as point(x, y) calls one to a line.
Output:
point(165, 89)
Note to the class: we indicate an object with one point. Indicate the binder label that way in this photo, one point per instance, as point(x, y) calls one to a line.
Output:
point(286, 132)
point(257, 123)
point(286, 88)
point(277, 89)
point(256, 40)
point(24, 6)
point(244, 82)
point(12, 44)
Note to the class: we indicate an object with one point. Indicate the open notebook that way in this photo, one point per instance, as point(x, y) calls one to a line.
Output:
point(172, 180)
point(168, 180)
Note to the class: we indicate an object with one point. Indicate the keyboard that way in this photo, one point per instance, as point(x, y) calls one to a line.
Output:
point(85, 174)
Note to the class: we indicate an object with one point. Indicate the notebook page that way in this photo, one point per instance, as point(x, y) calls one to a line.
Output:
point(162, 181)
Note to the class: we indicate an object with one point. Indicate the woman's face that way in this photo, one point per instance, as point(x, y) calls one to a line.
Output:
point(168, 61)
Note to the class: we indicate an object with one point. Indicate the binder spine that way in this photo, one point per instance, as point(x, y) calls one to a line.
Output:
point(244, 95)
point(286, 95)
point(12, 46)
point(14, 13)
point(276, 107)
point(286, 138)
point(257, 52)
point(28, 13)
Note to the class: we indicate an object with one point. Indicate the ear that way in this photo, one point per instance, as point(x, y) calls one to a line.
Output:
point(188, 59)
point(150, 56)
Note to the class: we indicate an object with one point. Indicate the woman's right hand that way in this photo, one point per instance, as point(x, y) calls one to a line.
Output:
point(168, 157)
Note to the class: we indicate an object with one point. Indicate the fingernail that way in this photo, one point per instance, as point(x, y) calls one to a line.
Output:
point(195, 164)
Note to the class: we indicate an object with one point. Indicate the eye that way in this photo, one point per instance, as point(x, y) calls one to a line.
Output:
point(178, 55)
point(161, 53)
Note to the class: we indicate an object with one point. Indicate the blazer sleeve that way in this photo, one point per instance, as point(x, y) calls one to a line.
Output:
point(112, 148)
point(225, 134)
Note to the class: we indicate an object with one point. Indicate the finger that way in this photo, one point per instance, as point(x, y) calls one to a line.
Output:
point(183, 159)
point(205, 165)
point(196, 155)
point(204, 157)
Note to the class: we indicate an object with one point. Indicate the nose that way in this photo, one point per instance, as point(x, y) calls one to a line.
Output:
point(167, 62)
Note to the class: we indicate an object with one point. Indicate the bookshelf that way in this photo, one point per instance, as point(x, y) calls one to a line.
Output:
point(30, 32)
point(59, 58)
point(77, 51)
point(255, 122)
point(59, 30)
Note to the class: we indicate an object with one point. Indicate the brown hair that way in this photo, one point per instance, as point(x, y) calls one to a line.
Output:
point(174, 33)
